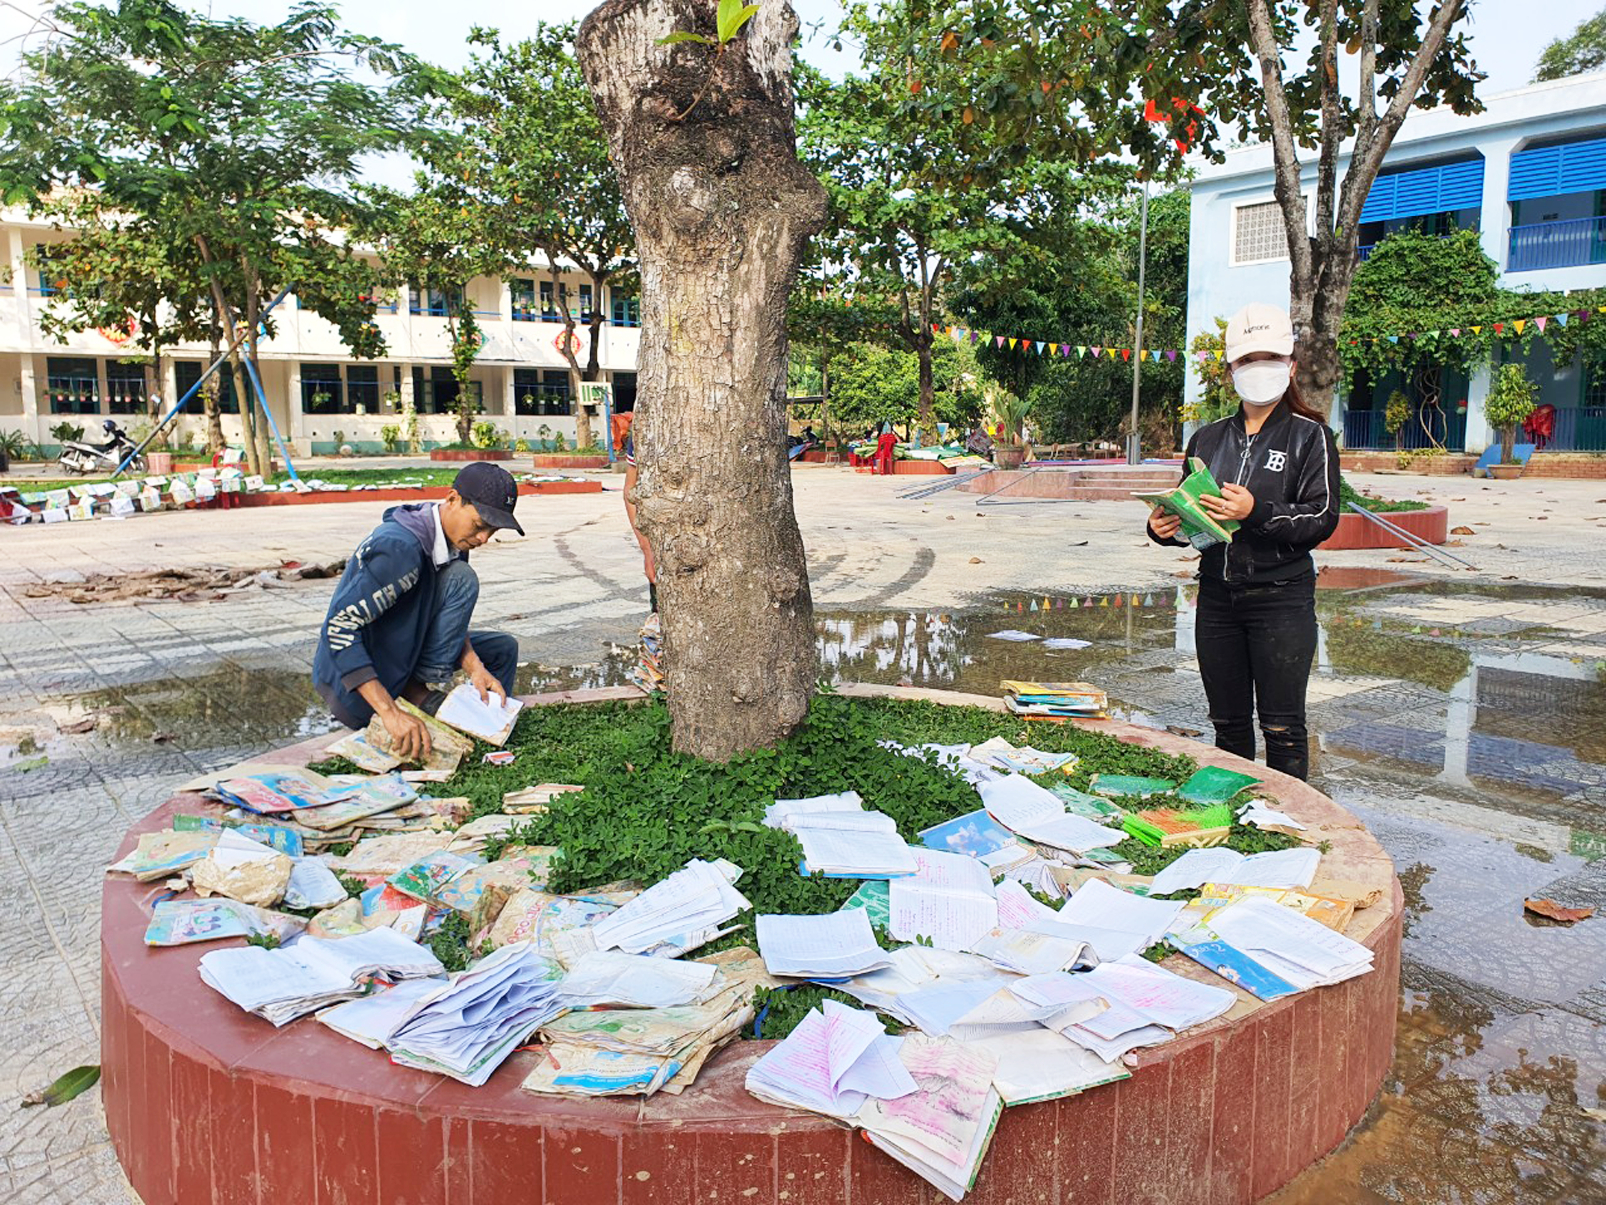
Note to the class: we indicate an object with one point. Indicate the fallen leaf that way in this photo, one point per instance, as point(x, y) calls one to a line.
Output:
point(34, 763)
point(975, 560)
point(1179, 730)
point(1462, 531)
point(162, 738)
point(76, 1082)
point(1554, 911)
point(81, 726)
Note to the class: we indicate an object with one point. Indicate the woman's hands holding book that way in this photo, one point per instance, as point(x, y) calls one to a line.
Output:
point(1163, 523)
point(1235, 503)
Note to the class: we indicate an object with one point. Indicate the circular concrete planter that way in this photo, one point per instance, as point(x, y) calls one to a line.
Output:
point(1505, 472)
point(207, 1103)
point(1355, 531)
point(470, 454)
point(1007, 457)
point(565, 460)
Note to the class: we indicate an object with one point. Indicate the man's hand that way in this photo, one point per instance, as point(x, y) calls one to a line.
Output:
point(1163, 523)
point(409, 738)
point(1235, 503)
point(482, 680)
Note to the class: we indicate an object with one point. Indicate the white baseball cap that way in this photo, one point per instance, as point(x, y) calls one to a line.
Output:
point(1259, 327)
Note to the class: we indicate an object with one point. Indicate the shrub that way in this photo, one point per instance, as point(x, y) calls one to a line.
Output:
point(390, 436)
point(1511, 400)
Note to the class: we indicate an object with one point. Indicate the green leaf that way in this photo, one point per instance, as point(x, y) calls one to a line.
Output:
point(683, 36)
point(733, 14)
point(75, 1083)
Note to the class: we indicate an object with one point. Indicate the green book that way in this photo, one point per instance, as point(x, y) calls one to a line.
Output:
point(1116, 785)
point(1213, 784)
point(1198, 528)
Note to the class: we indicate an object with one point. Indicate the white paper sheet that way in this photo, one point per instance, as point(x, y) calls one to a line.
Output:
point(1023, 807)
point(844, 801)
point(1098, 904)
point(1304, 952)
point(1044, 1065)
point(372, 1019)
point(1158, 994)
point(811, 1067)
point(847, 854)
point(832, 945)
point(1027, 953)
point(949, 899)
point(1274, 868)
point(635, 980)
point(490, 721)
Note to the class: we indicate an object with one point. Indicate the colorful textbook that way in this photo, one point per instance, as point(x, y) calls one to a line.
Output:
point(1182, 500)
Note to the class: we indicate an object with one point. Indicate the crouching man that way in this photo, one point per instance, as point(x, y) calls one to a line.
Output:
point(398, 625)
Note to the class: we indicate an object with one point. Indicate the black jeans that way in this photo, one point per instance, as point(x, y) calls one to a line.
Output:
point(1255, 645)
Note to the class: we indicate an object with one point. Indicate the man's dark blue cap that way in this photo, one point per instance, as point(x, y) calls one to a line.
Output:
point(492, 490)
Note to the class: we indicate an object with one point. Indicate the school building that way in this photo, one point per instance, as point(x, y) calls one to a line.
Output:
point(1528, 173)
point(314, 386)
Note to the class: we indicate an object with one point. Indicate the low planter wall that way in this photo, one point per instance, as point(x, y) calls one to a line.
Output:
point(1588, 466)
point(206, 1103)
point(920, 468)
point(1355, 531)
point(564, 460)
point(403, 494)
point(470, 454)
point(1084, 483)
point(1452, 464)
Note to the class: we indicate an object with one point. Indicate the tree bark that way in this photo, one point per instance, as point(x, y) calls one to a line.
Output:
point(721, 209)
point(926, 422)
point(209, 396)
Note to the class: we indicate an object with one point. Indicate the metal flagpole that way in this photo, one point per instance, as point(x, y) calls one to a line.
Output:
point(1134, 453)
point(256, 384)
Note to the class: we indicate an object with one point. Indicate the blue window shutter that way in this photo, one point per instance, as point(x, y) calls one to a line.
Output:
point(1426, 190)
point(1461, 185)
point(1379, 205)
point(1550, 171)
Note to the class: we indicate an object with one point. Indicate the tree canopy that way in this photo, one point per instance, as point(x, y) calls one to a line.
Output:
point(1582, 50)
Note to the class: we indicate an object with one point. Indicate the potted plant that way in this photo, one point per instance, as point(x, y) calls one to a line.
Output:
point(1395, 415)
point(390, 436)
point(320, 399)
point(391, 400)
point(1009, 412)
point(1511, 400)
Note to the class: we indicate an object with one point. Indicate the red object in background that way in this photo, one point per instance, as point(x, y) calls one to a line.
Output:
point(1152, 112)
point(1540, 426)
point(883, 451)
point(620, 424)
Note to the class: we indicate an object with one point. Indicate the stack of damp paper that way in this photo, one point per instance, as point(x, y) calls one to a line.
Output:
point(781, 813)
point(978, 835)
point(490, 719)
point(1274, 868)
point(1329, 911)
point(947, 902)
point(467, 1026)
point(851, 845)
point(1271, 950)
point(832, 945)
point(283, 984)
point(685, 908)
point(834, 1060)
point(447, 746)
point(643, 1051)
point(1054, 700)
point(536, 799)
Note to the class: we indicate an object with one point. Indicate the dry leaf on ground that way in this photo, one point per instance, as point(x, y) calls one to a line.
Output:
point(1551, 910)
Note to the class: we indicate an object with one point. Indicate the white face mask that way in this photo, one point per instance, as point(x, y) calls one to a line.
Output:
point(1261, 382)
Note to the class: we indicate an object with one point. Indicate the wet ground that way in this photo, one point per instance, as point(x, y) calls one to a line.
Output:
point(1465, 723)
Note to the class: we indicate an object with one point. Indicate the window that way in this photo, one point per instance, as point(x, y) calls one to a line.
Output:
point(549, 308)
point(50, 281)
point(320, 390)
point(541, 392)
point(585, 304)
point(187, 372)
point(524, 298)
point(436, 302)
point(125, 389)
point(626, 309)
point(1258, 233)
point(624, 392)
point(436, 392)
point(362, 387)
point(73, 384)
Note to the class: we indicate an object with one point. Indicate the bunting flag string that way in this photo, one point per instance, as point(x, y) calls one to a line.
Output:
point(1517, 325)
point(1051, 348)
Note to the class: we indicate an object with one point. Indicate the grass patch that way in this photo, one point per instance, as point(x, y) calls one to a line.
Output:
point(1349, 495)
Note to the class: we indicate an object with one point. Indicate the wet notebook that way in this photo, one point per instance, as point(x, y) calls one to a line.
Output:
point(1198, 527)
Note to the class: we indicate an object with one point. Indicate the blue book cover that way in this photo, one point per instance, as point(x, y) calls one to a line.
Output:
point(1238, 968)
point(975, 833)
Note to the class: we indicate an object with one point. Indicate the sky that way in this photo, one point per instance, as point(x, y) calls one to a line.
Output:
point(1506, 35)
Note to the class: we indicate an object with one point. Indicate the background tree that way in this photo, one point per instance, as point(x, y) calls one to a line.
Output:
point(701, 135)
point(122, 274)
point(1062, 79)
point(1582, 50)
point(529, 150)
point(235, 138)
point(435, 241)
point(874, 384)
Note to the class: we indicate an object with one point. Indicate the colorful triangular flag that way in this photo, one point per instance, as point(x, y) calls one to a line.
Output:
point(1518, 324)
point(1541, 320)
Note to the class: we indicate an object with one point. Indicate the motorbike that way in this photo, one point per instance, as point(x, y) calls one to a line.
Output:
point(82, 456)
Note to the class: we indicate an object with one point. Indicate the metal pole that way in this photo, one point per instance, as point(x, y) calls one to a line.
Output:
point(1134, 453)
point(256, 384)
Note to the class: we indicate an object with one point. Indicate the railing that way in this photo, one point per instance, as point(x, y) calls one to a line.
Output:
point(1557, 244)
point(1579, 429)
point(1365, 251)
point(547, 400)
point(1364, 431)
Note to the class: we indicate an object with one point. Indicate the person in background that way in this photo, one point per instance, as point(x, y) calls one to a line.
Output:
point(1277, 465)
point(398, 624)
point(630, 513)
point(884, 445)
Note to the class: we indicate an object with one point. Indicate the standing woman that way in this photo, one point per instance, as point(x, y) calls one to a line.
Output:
point(1277, 465)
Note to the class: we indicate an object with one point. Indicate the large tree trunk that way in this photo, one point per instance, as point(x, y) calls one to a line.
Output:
point(209, 402)
point(927, 424)
point(706, 154)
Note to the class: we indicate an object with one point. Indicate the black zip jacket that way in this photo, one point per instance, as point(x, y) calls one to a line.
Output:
point(1291, 467)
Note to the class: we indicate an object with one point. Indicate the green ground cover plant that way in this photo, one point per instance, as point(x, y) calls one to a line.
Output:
point(647, 810)
point(1348, 494)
